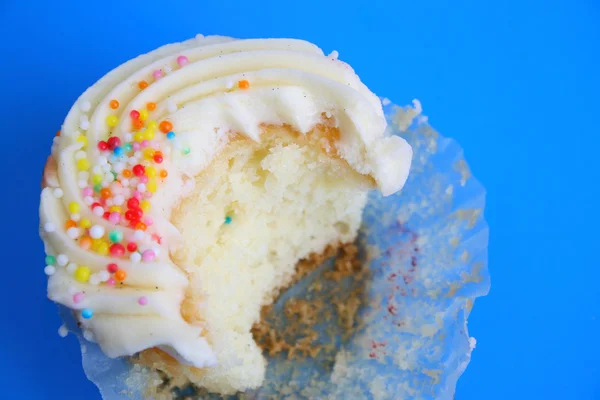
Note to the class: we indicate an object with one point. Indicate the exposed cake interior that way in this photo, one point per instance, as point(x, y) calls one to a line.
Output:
point(252, 215)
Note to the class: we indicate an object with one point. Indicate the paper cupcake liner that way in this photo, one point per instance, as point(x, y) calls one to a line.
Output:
point(398, 330)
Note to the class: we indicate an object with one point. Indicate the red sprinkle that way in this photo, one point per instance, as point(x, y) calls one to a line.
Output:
point(134, 114)
point(112, 268)
point(113, 142)
point(106, 214)
point(129, 215)
point(131, 246)
point(139, 170)
point(102, 145)
point(158, 158)
point(117, 250)
point(133, 203)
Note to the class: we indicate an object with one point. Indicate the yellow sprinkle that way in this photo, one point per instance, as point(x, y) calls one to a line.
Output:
point(82, 274)
point(145, 204)
point(96, 244)
point(74, 207)
point(112, 120)
point(102, 248)
point(83, 140)
point(148, 154)
point(149, 134)
point(115, 209)
point(97, 179)
point(151, 185)
point(138, 137)
point(83, 164)
point(143, 114)
point(85, 223)
point(150, 172)
point(152, 125)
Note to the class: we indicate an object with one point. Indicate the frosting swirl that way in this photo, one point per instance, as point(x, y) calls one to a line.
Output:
point(130, 145)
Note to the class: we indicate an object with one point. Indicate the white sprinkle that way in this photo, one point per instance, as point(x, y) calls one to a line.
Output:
point(88, 200)
point(79, 155)
point(139, 234)
point(58, 193)
point(98, 211)
point(172, 107)
point(97, 169)
point(81, 184)
point(84, 175)
point(386, 101)
point(334, 54)
point(62, 260)
point(137, 154)
point(118, 200)
point(94, 280)
point(49, 227)
point(156, 250)
point(97, 231)
point(73, 232)
point(141, 187)
point(135, 257)
point(109, 203)
point(71, 269)
point(49, 270)
point(327, 114)
point(84, 125)
point(102, 160)
point(63, 331)
point(118, 167)
point(128, 137)
point(104, 276)
point(125, 182)
point(229, 84)
point(199, 36)
point(85, 106)
point(75, 217)
point(132, 160)
point(167, 69)
point(88, 335)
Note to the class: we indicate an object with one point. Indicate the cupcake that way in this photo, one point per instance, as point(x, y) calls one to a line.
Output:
point(185, 186)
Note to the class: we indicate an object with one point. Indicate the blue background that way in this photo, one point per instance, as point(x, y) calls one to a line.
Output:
point(515, 82)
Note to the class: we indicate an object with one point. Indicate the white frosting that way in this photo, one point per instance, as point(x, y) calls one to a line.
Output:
point(291, 82)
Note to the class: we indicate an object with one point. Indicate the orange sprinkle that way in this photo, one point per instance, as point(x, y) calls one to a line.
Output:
point(140, 226)
point(126, 173)
point(114, 104)
point(137, 124)
point(165, 126)
point(120, 275)
point(243, 84)
point(164, 173)
point(70, 224)
point(85, 242)
point(151, 106)
point(58, 132)
point(105, 193)
point(143, 85)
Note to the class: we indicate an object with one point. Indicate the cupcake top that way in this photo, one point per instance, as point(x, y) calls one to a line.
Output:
point(130, 146)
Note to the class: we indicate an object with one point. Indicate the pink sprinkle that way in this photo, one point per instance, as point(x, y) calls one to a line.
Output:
point(148, 255)
point(143, 301)
point(148, 221)
point(114, 218)
point(157, 74)
point(111, 282)
point(182, 61)
point(137, 194)
point(145, 143)
point(148, 195)
point(143, 179)
point(136, 146)
point(88, 191)
point(78, 297)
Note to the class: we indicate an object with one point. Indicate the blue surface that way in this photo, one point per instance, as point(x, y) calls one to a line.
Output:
point(516, 83)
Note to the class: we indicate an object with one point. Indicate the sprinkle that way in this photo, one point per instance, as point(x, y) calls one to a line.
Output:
point(105, 193)
point(63, 331)
point(137, 124)
point(58, 133)
point(49, 270)
point(142, 301)
point(84, 124)
point(62, 260)
point(70, 224)
point(144, 115)
point(182, 61)
point(83, 164)
point(167, 69)
point(110, 282)
point(118, 151)
point(117, 249)
point(98, 211)
point(71, 268)
point(73, 233)
point(58, 193)
point(151, 106)
point(79, 155)
point(131, 247)
point(158, 158)
point(97, 231)
point(171, 135)
point(74, 207)
point(85, 106)
point(114, 218)
point(82, 274)
point(114, 104)
point(50, 260)
point(157, 74)
point(165, 126)
point(88, 335)
point(78, 297)
point(103, 276)
point(229, 84)
point(145, 206)
point(163, 173)
point(139, 170)
point(85, 243)
point(135, 257)
point(120, 275)
point(87, 313)
point(139, 235)
point(227, 220)
point(148, 256)
point(75, 217)
point(112, 120)
point(185, 151)
point(94, 280)
point(102, 248)
point(143, 85)
point(243, 84)
point(115, 236)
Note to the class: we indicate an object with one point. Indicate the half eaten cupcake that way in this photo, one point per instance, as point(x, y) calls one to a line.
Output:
point(186, 184)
